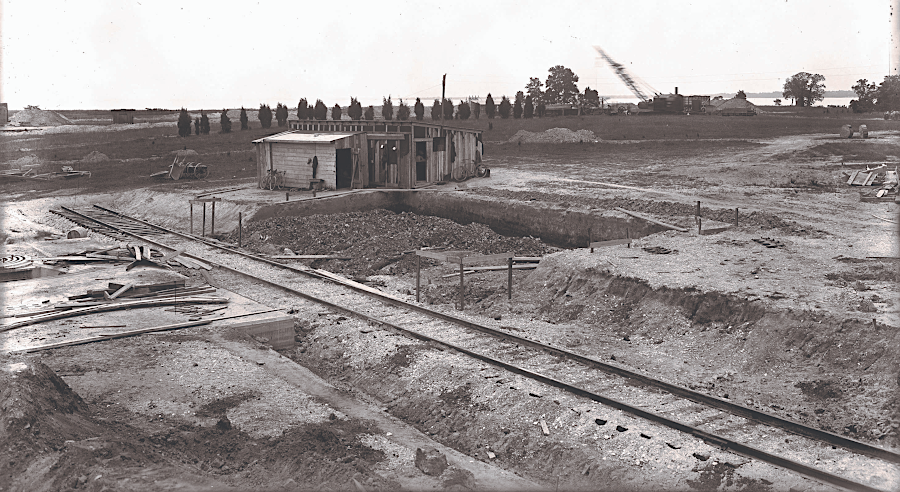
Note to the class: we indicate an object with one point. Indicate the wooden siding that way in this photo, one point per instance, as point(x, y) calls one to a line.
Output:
point(293, 158)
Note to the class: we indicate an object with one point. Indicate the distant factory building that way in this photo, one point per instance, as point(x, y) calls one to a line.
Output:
point(123, 116)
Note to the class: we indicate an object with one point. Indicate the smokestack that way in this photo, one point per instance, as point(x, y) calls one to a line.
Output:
point(676, 91)
point(894, 61)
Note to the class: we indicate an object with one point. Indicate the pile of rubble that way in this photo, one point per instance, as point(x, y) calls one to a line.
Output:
point(554, 135)
point(33, 116)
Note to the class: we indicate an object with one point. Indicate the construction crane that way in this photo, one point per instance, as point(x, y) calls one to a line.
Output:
point(626, 77)
point(658, 103)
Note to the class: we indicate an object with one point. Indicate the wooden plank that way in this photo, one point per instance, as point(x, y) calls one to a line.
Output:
point(165, 259)
point(310, 257)
point(347, 281)
point(611, 242)
point(120, 291)
point(433, 254)
point(527, 259)
point(477, 258)
point(652, 220)
point(469, 270)
point(713, 230)
point(544, 428)
point(186, 262)
point(71, 258)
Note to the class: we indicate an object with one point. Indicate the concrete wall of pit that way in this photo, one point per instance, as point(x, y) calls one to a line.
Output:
point(568, 228)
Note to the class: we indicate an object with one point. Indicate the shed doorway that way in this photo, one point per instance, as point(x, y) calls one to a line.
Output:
point(343, 163)
point(421, 161)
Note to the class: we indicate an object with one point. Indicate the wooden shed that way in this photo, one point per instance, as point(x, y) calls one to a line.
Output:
point(406, 154)
point(305, 158)
point(123, 116)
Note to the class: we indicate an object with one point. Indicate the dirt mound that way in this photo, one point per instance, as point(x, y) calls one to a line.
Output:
point(25, 162)
point(39, 117)
point(377, 239)
point(554, 135)
point(95, 157)
point(185, 152)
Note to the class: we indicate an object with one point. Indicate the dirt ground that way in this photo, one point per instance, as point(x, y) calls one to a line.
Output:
point(807, 330)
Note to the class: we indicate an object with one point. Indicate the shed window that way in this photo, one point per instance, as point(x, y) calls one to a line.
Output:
point(439, 144)
point(419, 132)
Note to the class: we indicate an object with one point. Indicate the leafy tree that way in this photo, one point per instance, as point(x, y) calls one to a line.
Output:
point(245, 122)
point(281, 114)
point(476, 109)
point(561, 86)
point(387, 108)
point(370, 113)
point(225, 122)
point(402, 111)
point(196, 126)
point(302, 110)
point(865, 93)
point(448, 109)
point(741, 94)
point(888, 94)
point(534, 89)
point(419, 109)
point(517, 107)
point(184, 123)
point(777, 102)
point(355, 110)
point(265, 116)
point(541, 109)
point(204, 123)
point(591, 98)
point(489, 108)
point(529, 107)
point(310, 111)
point(804, 88)
point(320, 111)
point(463, 110)
point(336, 112)
point(436, 110)
point(504, 108)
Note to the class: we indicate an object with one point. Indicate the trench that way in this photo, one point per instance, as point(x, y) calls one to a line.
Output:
point(554, 225)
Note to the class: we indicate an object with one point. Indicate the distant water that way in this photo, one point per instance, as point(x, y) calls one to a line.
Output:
point(760, 101)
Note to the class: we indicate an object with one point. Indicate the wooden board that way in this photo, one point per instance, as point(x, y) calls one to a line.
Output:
point(612, 242)
point(311, 257)
point(650, 219)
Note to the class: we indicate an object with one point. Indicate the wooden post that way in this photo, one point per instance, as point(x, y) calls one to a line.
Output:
point(418, 267)
point(735, 216)
point(212, 226)
point(509, 280)
point(240, 230)
point(192, 218)
point(204, 220)
point(287, 196)
point(628, 236)
point(462, 299)
point(699, 225)
point(590, 238)
point(697, 213)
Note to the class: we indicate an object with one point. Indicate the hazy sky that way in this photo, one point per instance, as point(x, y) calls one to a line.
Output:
point(213, 54)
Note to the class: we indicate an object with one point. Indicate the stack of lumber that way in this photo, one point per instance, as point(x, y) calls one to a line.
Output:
point(119, 296)
point(129, 253)
point(30, 173)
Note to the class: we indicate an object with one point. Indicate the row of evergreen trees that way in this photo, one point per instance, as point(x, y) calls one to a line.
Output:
point(522, 107)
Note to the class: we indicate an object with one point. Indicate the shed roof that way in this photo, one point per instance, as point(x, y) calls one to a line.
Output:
point(293, 137)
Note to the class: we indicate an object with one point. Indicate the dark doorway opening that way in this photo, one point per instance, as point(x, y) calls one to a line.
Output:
point(421, 161)
point(343, 161)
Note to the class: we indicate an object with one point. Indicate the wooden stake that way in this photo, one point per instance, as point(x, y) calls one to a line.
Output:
point(212, 227)
point(192, 218)
point(509, 280)
point(240, 230)
point(462, 299)
point(699, 225)
point(418, 266)
point(735, 216)
point(204, 220)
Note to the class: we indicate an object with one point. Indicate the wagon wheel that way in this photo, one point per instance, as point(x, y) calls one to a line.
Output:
point(270, 182)
point(201, 172)
point(279, 181)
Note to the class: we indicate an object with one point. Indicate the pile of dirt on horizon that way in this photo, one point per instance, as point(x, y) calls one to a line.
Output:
point(378, 238)
point(554, 135)
point(38, 117)
point(95, 157)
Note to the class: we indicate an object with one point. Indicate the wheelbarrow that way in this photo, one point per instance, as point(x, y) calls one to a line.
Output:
point(183, 169)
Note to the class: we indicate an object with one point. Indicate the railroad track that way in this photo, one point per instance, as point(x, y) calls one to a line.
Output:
point(717, 421)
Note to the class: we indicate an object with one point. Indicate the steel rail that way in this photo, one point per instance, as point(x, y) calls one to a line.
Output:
point(708, 400)
point(710, 438)
point(749, 413)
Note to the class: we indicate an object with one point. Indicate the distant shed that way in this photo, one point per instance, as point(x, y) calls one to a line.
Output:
point(123, 116)
point(336, 157)
point(736, 106)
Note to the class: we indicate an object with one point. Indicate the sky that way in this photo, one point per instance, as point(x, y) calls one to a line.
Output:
point(93, 54)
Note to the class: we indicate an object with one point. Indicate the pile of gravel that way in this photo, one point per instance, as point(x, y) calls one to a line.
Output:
point(95, 157)
point(554, 135)
point(38, 117)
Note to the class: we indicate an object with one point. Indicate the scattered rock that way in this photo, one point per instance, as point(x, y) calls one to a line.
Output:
point(599, 421)
point(431, 461)
point(621, 429)
point(701, 456)
point(455, 478)
point(223, 425)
